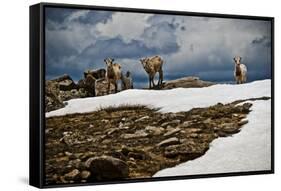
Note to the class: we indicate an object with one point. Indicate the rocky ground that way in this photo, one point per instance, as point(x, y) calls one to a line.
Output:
point(133, 141)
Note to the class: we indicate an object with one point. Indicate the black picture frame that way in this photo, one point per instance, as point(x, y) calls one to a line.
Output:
point(37, 92)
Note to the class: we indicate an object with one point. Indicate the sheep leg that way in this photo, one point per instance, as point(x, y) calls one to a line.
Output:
point(245, 79)
point(116, 86)
point(160, 77)
point(149, 78)
point(237, 79)
point(152, 79)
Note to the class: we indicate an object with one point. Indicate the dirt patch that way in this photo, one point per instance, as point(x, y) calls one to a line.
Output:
point(133, 141)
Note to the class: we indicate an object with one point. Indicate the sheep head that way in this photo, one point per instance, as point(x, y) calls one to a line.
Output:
point(109, 61)
point(237, 60)
point(144, 61)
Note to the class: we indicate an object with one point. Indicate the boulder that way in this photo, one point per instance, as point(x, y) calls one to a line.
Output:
point(89, 85)
point(101, 87)
point(72, 94)
point(107, 168)
point(97, 74)
point(52, 99)
point(186, 82)
point(67, 85)
point(62, 78)
point(65, 82)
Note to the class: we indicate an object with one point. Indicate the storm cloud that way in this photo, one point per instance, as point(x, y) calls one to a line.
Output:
point(77, 40)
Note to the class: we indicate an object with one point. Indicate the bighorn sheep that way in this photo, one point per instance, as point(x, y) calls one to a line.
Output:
point(240, 70)
point(113, 73)
point(153, 65)
point(127, 81)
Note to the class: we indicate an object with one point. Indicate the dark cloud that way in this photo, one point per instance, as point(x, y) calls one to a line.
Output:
point(58, 14)
point(204, 51)
point(94, 17)
point(264, 41)
point(117, 48)
point(57, 18)
point(161, 36)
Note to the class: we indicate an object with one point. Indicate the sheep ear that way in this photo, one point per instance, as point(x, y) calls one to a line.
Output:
point(234, 58)
point(240, 58)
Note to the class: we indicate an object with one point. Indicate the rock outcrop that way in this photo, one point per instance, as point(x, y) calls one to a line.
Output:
point(94, 83)
point(186, 82)
point(59, 90)
point(101, 87)
point(63, 88)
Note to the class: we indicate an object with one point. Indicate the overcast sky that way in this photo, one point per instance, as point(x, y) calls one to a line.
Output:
point(77, 40)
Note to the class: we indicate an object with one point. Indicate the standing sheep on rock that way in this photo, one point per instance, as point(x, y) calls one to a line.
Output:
point(113, 73)
point(240, 70)
point(153, 65)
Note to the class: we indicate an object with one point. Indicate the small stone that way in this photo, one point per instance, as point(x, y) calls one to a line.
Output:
point(85, 174)
point(142, 118)
point(140, 156)
point(66, 133)
point(170, 141)
point(106, 141)
point(105, 120)
point(75, 163)
point(186, 124)
point(137, 134)
point(120, 125)
point(172, 123)
point(62, 159)
point(67, 153)
point(48, 130)
point(154, 130)
point(72, 175)
point(193, 135)
point(172, 132)
point(111, 131)
point(194, 130)
point(243, 122)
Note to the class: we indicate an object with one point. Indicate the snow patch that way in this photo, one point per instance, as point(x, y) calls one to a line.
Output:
point(174, 100)
point(249, 150)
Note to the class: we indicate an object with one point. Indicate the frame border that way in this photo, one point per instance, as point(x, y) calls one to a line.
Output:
point(40, 154)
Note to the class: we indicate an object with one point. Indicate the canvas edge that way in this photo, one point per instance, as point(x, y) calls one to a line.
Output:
point(35, 96)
